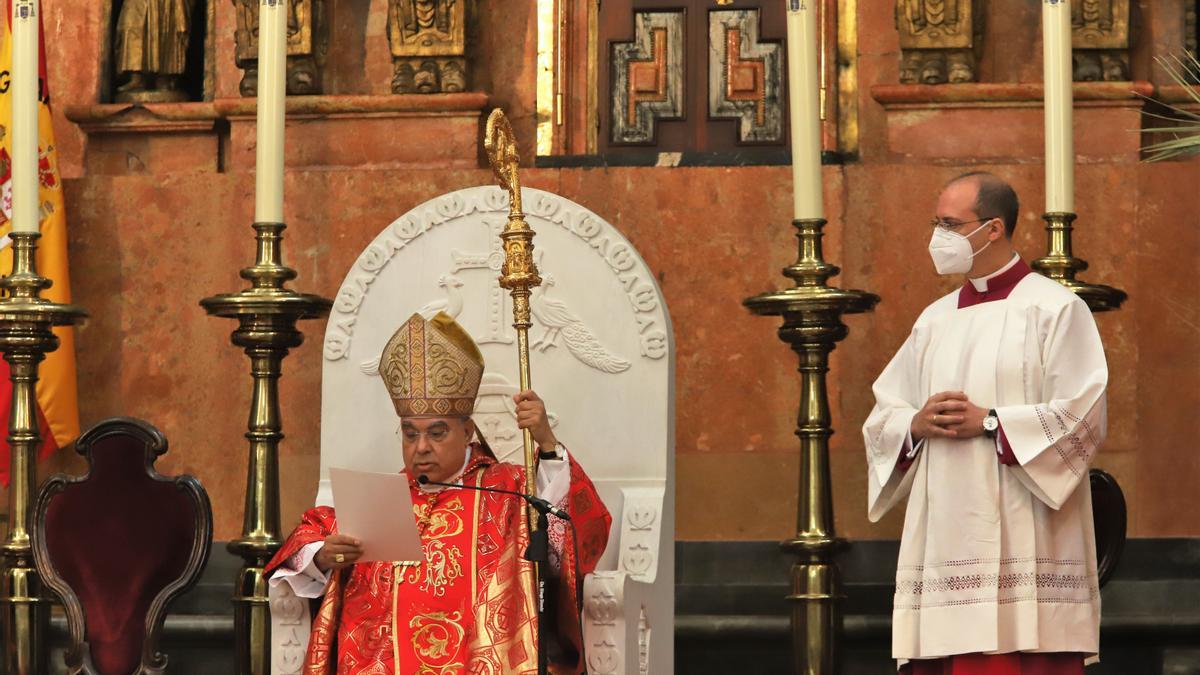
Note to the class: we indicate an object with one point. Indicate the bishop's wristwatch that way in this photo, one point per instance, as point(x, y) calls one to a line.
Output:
point(991, 424)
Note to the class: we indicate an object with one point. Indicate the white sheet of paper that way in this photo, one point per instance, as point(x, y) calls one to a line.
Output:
point(377, 509)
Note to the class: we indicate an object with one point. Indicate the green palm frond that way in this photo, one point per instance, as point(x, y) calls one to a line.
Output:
point(1184, 134)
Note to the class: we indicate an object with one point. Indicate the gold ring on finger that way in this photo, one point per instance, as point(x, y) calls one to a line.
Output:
point(339, 558)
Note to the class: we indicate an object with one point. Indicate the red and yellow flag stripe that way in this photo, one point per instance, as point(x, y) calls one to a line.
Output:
point(57, 393)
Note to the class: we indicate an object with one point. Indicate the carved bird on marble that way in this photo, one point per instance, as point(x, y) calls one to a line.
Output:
point(560, 321)
point(452, 304)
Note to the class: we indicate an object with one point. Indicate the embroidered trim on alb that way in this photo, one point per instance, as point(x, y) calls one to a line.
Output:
point(1092, 440)
point(1069, 434)
point(1062, 454)
point(1002, 601)
point(982, 561)
point(877, 439)
point(964, 582)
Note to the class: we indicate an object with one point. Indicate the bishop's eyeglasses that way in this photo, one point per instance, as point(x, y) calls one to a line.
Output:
point(436, 434)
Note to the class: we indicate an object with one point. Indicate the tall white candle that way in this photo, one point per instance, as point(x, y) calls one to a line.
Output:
point(1060, 144)
point(804, 98)
point(272, 73)
point(25, 116)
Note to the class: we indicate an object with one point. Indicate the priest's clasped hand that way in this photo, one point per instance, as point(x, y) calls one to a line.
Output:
point(339, 551)
point(531, 415)
point(941, 414)
point(948, 415)
point(972, 422)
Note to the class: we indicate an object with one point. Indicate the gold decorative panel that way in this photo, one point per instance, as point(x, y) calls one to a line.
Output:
point(938, 40)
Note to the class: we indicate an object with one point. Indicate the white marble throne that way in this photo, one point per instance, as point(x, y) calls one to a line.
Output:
point(602, 358)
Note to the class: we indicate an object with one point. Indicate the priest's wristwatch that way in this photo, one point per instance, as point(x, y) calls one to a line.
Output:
point(991, 424)
point(558, 452)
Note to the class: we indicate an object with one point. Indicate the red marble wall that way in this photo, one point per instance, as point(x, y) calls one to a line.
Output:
point(147, 247)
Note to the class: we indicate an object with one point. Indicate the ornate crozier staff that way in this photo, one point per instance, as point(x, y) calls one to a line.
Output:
point(520, 276)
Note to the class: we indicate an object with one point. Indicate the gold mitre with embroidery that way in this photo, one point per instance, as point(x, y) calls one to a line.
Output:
point(432, 368)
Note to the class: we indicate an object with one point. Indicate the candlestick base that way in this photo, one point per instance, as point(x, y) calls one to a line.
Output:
point(267, 314)
point(1059, 264)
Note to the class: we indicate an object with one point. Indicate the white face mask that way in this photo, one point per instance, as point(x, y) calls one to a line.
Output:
point(951, 251)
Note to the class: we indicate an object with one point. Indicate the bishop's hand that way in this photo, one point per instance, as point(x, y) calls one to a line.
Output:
point(942, 417)
point(531, 415)
point(339, 551)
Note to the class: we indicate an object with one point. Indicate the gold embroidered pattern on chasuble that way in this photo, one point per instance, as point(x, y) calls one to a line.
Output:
point(443, 561)
point(432, 368)
point(432, 600)
point(437, 638)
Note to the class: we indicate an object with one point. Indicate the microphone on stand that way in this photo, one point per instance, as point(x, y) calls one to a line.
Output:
point(541, 505)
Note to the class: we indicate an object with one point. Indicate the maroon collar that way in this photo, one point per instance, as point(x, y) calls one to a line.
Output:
point(998, 287)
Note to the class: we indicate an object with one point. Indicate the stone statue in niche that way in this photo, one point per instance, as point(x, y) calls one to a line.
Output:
point(1101, 39)
point(428, 44)
point(307, 45)
point(151, 49)
point(939, 40)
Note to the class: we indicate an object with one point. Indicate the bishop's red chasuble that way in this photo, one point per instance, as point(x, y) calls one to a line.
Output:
point(467, 607)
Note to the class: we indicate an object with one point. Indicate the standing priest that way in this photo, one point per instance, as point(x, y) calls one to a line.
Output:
point(987, 419)
point(466, 607)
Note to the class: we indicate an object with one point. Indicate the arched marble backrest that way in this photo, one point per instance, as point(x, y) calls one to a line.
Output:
point(602, 352)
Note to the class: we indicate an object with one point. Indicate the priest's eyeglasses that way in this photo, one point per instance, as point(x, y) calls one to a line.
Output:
point(953, 225)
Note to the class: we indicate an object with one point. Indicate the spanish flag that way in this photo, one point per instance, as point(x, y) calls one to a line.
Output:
point(58, 405)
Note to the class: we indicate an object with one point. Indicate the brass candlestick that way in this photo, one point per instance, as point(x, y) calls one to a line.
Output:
point(267, 314)
point(812, 324)
point(1059, 264)
point(26, 336)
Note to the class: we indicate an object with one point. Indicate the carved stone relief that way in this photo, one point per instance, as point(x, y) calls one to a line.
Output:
point(939, 40)
point(745, 75)
point(604, 606)
point(1101, 39)
point(561, 324)
point(290, 626)
point(640, 533)
point(643, 643)
point(648, 77)
point(307, 44)
point(428, 44)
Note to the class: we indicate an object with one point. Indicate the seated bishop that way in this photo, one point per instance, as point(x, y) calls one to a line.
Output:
point(467, 607)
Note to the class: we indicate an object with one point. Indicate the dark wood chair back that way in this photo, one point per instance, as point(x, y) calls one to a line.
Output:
point(118, 544)
point(1110, 517)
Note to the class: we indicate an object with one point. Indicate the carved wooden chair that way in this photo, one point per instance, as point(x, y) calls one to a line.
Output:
point(1110, 517)
point(117, 545)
